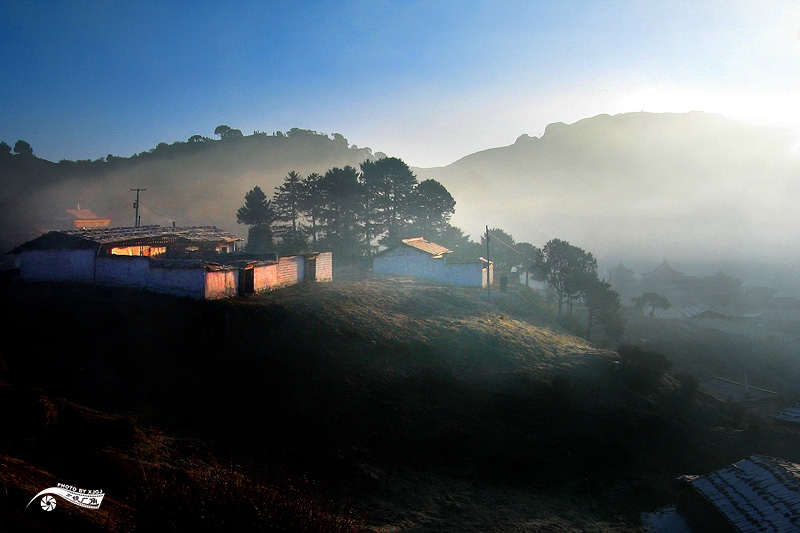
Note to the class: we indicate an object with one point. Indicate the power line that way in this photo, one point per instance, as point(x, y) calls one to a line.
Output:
point(501, 242)
point(137, 221)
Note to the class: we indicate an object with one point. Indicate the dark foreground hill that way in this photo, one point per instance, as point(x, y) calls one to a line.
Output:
point(371, 405)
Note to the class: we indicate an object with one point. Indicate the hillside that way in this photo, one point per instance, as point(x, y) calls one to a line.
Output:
point(189, 183)
point(698, 189)
point(350, 405)
point(642, 187)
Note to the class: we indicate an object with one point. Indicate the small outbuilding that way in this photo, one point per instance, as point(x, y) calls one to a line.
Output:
point(754, 495)
point(422, 259)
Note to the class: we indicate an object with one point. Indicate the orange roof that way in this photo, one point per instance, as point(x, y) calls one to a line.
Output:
point(423, 245)
point(83, 214)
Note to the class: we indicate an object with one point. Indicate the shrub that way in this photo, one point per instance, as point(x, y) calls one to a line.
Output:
point(642, 369)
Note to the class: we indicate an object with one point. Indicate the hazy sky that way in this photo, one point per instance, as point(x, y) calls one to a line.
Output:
point(426, 81)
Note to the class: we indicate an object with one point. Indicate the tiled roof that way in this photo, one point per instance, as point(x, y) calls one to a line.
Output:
point(82, 213)
point(755, 494)
point(426, 246)
point(790, 414)
point(192, 233)
point(89, 237)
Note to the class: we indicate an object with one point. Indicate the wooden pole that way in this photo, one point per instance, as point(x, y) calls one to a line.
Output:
point(488, 265)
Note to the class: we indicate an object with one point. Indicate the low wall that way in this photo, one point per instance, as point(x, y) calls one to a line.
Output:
point(189, 282)
point(123, 271)
point(324, 263)
point(291, 270)
point(57, 265)
point(265, 277)
point(221, 283)
point(409, 263)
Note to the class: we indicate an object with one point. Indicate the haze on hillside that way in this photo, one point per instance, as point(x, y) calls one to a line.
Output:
point(699, 190)
point(696, 189)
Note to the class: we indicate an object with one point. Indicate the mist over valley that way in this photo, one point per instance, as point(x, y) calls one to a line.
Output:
point(702, 191)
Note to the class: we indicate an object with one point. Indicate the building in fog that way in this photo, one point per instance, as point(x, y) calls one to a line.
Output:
point(424, 260)
point(200, 262)
point(85, 218)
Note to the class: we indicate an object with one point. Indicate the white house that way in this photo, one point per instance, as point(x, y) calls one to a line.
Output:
point(425, 260)
point(196, 262)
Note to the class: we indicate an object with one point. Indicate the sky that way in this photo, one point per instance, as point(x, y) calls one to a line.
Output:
point(428, 81)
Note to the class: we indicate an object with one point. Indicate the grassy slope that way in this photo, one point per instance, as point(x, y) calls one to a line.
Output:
point(411, 406)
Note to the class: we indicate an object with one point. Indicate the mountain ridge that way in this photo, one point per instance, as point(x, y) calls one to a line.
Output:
point(632, 187)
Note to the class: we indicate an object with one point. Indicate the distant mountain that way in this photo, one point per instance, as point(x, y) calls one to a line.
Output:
point(639, 186)
point(188, 183)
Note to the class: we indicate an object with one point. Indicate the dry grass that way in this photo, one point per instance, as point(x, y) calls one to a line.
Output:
point(419, 407)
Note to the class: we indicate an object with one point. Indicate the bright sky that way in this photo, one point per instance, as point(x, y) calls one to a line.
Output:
point(428, 81)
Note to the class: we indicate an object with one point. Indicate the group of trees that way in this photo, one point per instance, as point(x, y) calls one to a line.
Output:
point(21, 148)
point(572, 274)
point(347, 210)
point(354, 212)
point(569, 271)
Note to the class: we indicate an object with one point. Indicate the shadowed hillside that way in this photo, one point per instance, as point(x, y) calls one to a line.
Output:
point(376, 404)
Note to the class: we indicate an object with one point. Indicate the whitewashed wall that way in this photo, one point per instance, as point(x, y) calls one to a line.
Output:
point(141, 272)
point(123, 271)
point(405, 261)
point(189, 282)
point(467, 274)
point(57, 265)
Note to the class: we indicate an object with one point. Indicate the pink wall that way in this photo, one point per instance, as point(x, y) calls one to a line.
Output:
point(265, 277)
point(290, 269)
point(324, 266)
point(221, 283)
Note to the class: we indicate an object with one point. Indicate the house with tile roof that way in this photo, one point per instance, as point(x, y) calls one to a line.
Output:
point(421, 259)
point(754, 495)
point(200, 262)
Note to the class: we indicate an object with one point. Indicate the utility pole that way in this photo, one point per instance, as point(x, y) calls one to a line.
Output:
point(137, 221)
point(488, 267)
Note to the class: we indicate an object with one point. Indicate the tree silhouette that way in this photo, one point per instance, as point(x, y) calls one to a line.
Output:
point(258, 214)
point(288, 206)
point(529, 255)
point(502, 251)
point(222, 130)
point(561, 265)
point(311, 205)
point(23, 149)
point(432, 207)
point(226, 132)
point(602, 304)
point(341, 196)
point(653, 300)
point(389, 187)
